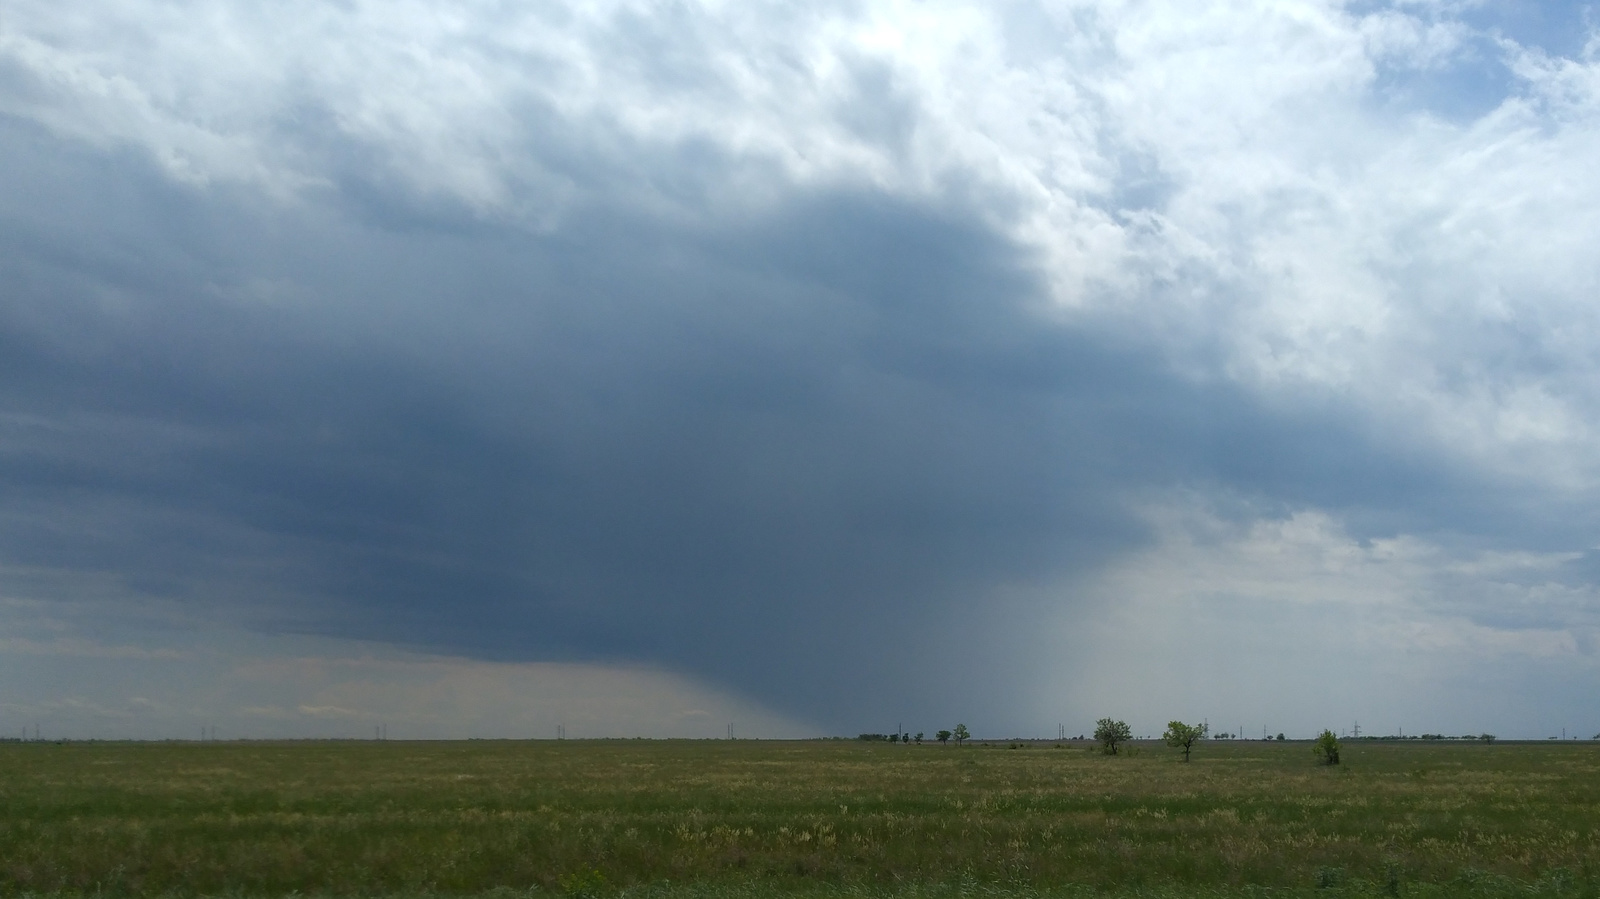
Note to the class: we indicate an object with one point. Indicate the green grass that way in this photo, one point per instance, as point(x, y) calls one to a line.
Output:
point(837, 819)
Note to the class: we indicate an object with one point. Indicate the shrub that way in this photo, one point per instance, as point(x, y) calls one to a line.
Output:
point(1391, 879)
point(1328, 878)
point(1327, 748)
point(1110, 733)
point(585, 884)
point(1183, 736)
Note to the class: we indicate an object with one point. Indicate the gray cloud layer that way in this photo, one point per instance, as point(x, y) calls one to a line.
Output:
point(666, 401)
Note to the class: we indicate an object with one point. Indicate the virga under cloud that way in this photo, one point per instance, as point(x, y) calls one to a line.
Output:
point(869, 360)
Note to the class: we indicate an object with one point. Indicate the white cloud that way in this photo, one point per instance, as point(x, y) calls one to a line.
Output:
point(1230, 180)
point(1223, 175)
point(1392, 630)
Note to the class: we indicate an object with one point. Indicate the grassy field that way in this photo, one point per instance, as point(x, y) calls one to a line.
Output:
point(738, 818)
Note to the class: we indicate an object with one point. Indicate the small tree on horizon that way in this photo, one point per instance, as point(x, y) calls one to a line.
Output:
point(1183, 736)
point(942, 736)
point(962, 734)
point(1110, 733)
point(1327, 748)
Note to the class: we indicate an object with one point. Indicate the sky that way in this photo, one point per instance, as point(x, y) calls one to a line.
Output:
point(507, 369)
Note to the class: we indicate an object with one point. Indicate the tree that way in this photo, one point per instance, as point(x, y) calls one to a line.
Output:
point(1327, 748)
point(1182, 736)
point(919, 738)
point(962, 734)
point(1110, 733)
point(942, 736)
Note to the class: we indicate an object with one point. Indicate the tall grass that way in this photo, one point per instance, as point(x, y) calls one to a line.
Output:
point(824, 818)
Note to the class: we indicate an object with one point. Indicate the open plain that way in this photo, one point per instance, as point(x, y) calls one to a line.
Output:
point(727, 818)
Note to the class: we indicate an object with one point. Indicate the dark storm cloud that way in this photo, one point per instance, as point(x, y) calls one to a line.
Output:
point(801, 453)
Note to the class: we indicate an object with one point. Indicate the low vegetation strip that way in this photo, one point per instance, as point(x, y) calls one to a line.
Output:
point(825, 818)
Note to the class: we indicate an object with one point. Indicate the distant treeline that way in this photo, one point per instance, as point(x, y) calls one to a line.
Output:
point(1477, 738)
point(1480, 738)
